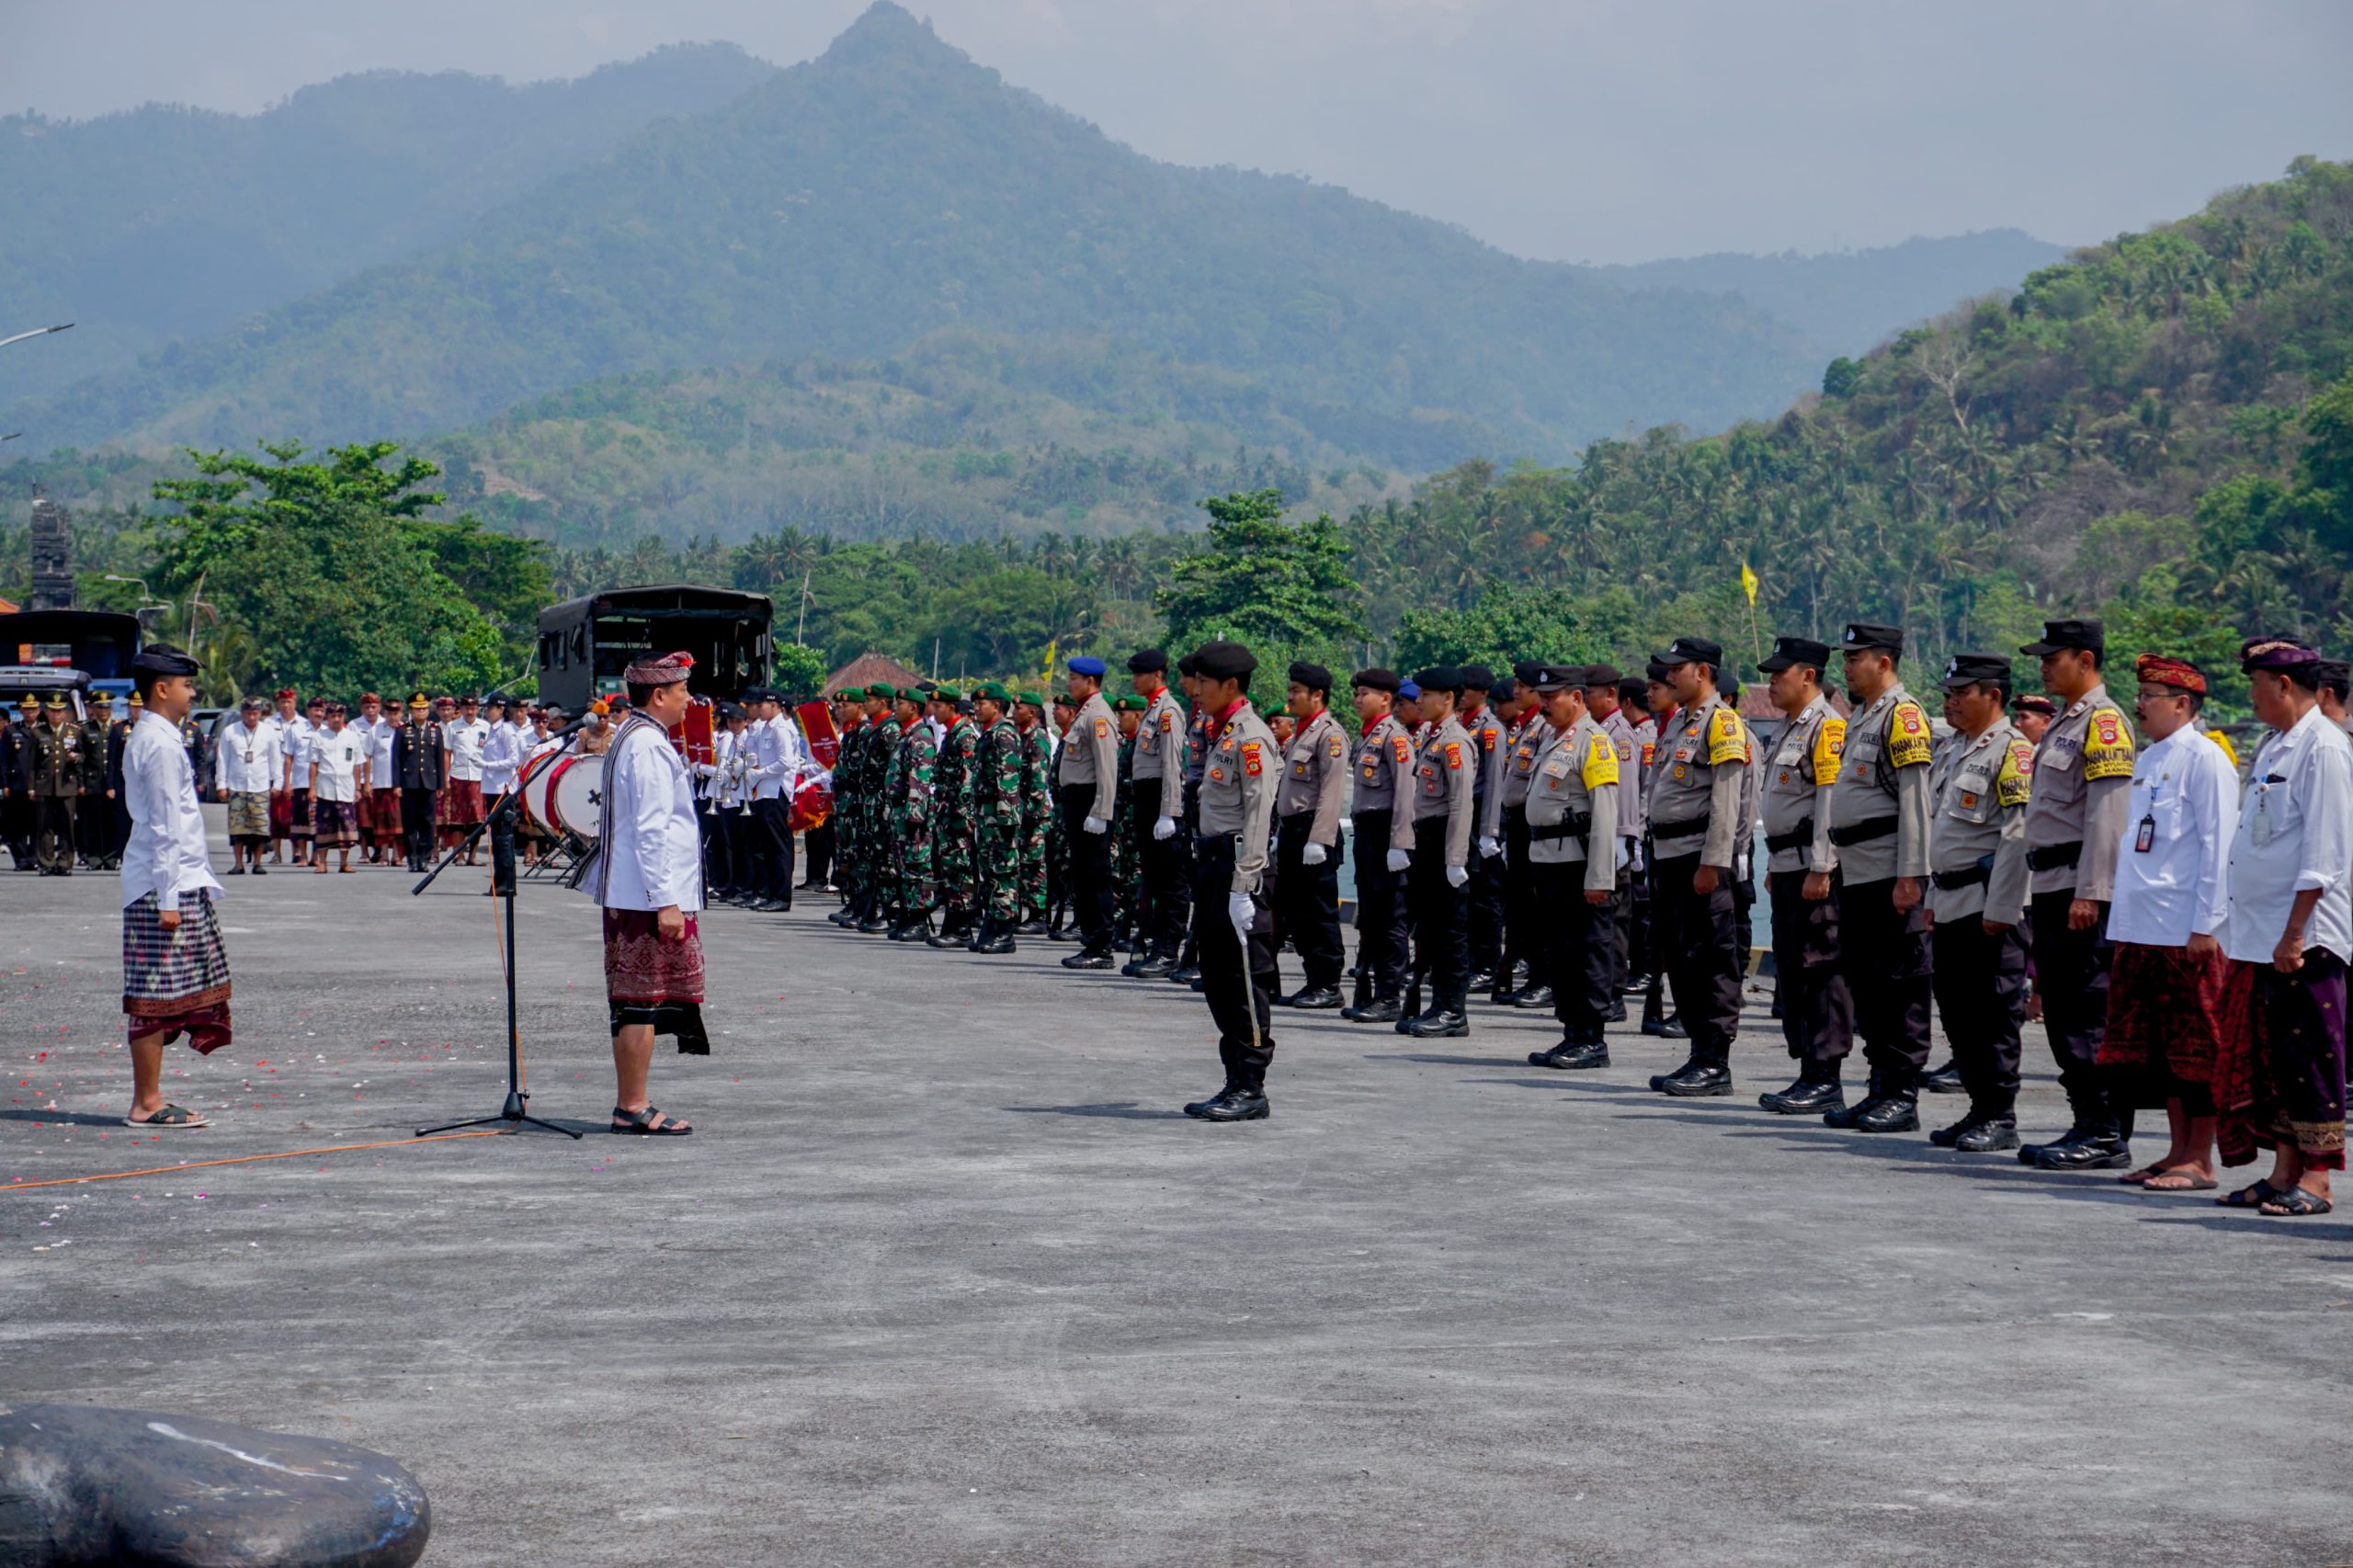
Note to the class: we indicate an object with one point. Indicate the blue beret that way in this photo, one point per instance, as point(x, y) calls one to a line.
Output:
point(1407, 689)
point(1088, 664)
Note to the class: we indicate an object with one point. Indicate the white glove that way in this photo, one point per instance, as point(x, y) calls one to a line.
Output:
point(1633, 854)
point(1489, 848)
point(1096, 825)
point(1314, 854)
point(1400, 859)
point(1243, 910)
point(1165, 829)
point(1457, 875)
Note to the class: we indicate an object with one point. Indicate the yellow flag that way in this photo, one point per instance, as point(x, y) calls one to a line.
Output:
point(1050, 646)
point(1748, 583)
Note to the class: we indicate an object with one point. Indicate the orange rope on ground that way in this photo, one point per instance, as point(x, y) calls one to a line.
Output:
point(245, 1160)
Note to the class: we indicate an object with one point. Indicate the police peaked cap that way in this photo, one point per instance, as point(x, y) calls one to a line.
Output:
point(1790, 651)
point(1977, 670)
point(1692, 650)
point(1528, 672)
point(1602, 674)
point(1862, 636)
point(2091, 636)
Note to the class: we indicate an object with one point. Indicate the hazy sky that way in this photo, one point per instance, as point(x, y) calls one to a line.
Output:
point(1585, 130)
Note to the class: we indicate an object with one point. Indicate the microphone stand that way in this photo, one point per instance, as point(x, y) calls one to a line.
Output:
point(500, 825)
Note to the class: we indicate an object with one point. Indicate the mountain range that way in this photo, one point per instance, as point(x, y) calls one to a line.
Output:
point(423, 256)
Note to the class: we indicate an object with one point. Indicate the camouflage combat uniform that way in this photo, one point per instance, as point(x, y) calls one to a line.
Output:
point(996, 819)
point(912, 766)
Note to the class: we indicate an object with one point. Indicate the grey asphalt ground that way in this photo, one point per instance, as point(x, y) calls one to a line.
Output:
point(944, 1278)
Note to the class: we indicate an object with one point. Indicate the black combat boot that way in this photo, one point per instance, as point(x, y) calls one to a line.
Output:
point(994, 938)
point(1572, 1055)
point(1816, 1091)
point(1443, 1021)
point(1944, 1080)
point(1898, 1111)
point(1379, 1010)
point(1695, 1080)
point(1535, 997)
point(1313, 998)
point(2098, 1145)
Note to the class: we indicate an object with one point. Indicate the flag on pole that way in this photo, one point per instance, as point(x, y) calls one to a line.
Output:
point(1051, 648)
point(1748, 584)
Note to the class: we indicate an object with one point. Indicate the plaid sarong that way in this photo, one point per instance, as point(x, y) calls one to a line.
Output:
point(178, 980)
point(249, 814)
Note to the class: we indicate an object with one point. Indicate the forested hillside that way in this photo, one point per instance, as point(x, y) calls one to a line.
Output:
point(167, 222)
point(892, 188)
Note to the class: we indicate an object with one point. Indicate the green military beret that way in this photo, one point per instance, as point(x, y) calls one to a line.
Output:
point(886, 692)
point(946, 694)
point(914, 694)
point(1131, 704)
point(994, 690)
point(1034, 700)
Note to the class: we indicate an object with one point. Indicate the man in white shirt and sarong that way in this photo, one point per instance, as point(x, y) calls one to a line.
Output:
point(247, 769)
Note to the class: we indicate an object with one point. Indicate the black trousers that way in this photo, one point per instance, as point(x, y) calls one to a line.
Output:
point(416, 824)
point(1523, 934)
point(2071, 972)
point(771, 834)
point(1089, 872)
point(1579, 957)
point(1636, 951)
point(1307, 902)
point(1699, 944)
point(1887, 961)
point(1441, 918)
point(1238, 983)
point(1167, 868)
point(1484, 934)
point(1981, 994)
point(1382, 953)
point(1817, 1009)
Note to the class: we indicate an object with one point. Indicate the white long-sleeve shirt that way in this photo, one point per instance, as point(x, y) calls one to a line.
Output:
point(778, 757)
point(2296, 832)
point(465, 738)
point(2185, 798)
point(165, 855)
point(654, 856)
point(247, 761)
point(501, 751)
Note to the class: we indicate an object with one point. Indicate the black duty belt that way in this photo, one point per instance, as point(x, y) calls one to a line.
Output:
point(2052, 856)
point(1665, 830)
point(1967, 877)
point(1863, 832)
point(1797, 838)
point(1578, 826)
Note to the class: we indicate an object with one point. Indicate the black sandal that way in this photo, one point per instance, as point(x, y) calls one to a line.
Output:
point(647, 1123)
point(2252, 1195)
point(2296, 1203)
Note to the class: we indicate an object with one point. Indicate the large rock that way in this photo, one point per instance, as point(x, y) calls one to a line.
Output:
point(85, 1485)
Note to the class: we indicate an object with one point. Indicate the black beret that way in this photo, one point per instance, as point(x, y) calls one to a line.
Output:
point(1602, 674)
point(1224, 661)
point(1376, 679)
point(1655, 672)
point(1503, 691)
point(1190, 665)
point(1439, 678)
point(1862, 635)
point(1151, 661)
point(1314, 678)
point(163, 659)
point(1631, 690)
point(1476, 675)
point(1792, 650)
point(1973, 669)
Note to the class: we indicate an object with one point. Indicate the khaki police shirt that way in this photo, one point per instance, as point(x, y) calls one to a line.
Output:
point(1315, 778)
point(1700, 777)
point(1383, 782)
point(1442, 785)
point(1635, 744)
point(2083, 793)
point(1160, 756)
point(1980, 788)
point(1577, 775)
point(1487, 745)
point(1799, 777)
point(1528, 738)
point(1238, 783)
point(1090, 755)
point(1883, 777)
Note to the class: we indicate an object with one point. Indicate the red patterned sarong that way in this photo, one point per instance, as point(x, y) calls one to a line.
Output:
point(386, 827)
point(650, 981)
point(461, 802)
point(2170, 1018)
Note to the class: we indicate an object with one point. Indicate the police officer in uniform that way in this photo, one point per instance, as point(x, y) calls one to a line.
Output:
point(1438, 875)
point(1879, 823)
point(1231, 924)
point(1491, 755)
point(2075, 818)
point(1979, 787)
point(1086, 774)
point(1696, 810)
point(1382, 816)
point(419, 761)
point(1802, 872)
point(1307, 839)
point(58, 774)
point(16, 783)
point(1573, 856)
point(1525, 735)
point(1162, 838)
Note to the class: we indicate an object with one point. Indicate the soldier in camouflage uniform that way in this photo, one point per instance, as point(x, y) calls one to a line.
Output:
point(1066, 713)
point(1037, 808)
point(849, 719)
point(874, 805)
point(996, 821)
point(909, 837)
point(952, 848)
point(1127, 850)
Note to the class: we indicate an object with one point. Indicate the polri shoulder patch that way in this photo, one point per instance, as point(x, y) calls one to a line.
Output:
point(1727, 741)
point(1600, 762)
point(2107, 746)
point(2014, 779)
point(1908, 741)
point(1829, 745)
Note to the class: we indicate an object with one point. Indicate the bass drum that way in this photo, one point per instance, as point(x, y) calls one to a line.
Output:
point(535, 796)
point(576, 794)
